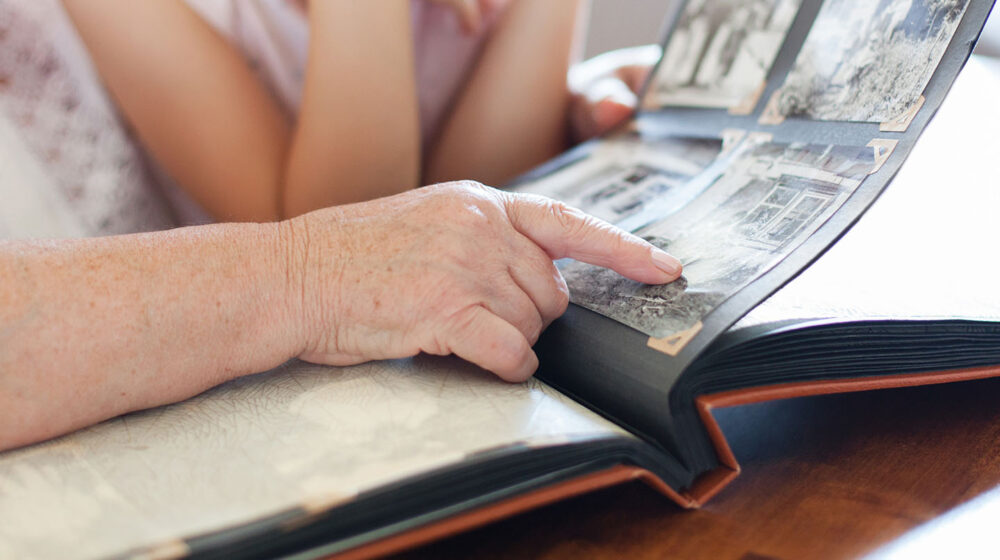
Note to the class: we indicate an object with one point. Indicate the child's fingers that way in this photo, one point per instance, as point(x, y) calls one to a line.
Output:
point(608, 113)
point(600, 107)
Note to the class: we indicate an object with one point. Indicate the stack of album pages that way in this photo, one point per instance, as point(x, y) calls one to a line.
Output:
point(766, 130)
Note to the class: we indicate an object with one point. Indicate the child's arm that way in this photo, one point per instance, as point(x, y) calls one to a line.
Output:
point(205, 116)
point(512, 113)
point(358, 136)
point(194, 103)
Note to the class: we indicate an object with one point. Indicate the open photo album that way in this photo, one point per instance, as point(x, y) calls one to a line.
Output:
point(766, 131)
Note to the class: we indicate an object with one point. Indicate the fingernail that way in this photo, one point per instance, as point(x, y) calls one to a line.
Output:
point(666, 262)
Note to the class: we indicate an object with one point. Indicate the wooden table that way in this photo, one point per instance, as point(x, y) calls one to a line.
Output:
point(896, 473)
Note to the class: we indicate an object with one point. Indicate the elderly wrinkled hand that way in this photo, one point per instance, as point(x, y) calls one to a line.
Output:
point(108, 325)
point(455, 268)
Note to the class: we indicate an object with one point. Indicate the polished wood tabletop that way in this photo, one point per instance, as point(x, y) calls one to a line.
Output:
point(900, 473)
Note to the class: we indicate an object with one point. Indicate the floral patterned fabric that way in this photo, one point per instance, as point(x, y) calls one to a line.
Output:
point(66, 155)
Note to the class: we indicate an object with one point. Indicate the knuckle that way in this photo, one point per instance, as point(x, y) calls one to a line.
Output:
point(467, 209)
point(453, 192)
point(472, 185)
point(620, 242)
point(573, 222)
point(562, 214)
point(467, 188)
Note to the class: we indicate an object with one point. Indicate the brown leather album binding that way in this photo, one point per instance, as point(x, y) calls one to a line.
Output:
point(421, 535)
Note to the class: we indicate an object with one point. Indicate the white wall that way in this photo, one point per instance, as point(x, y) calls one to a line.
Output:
point(624, 23)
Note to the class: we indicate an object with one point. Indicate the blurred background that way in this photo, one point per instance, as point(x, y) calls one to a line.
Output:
point(625, 23)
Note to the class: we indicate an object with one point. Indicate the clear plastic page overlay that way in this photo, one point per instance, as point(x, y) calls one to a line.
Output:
point(729, 224)
point(868, 61)
point(622, 178)
point(861, 61)
point(901, 259)
point(301, 436)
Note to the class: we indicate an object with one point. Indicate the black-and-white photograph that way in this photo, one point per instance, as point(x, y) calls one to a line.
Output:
point(624, 175)
point(720, 53)
point(767, 202)
point(868, 61)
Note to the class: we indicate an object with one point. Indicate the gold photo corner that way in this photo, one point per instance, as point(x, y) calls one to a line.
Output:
point(673, 344)
point(731, 137)
point(901, 122)
point(169, 550)
point(883, 149)
point(772, 113)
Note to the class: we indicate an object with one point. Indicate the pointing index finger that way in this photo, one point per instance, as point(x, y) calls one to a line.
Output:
point(563, 231)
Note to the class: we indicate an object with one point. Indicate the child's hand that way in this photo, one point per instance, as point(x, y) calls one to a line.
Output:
point(603, 89)
point(472, 13)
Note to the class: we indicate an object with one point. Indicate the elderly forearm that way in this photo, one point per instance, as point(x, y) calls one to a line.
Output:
point(512, 115)
point(358, 135)
point(90, 329)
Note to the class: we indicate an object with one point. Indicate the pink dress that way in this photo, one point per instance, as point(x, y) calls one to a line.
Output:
point(274, 37)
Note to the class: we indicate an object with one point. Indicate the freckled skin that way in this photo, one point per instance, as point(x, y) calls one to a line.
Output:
point(94, 328)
